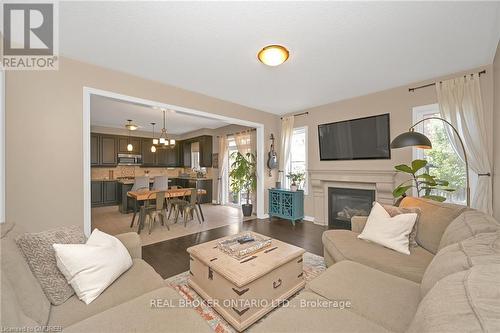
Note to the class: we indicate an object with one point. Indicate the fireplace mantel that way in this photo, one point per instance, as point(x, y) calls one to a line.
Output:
point(381, 181)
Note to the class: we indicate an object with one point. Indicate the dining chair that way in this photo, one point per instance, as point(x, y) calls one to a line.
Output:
point(154, 207)
point(160, 183)
point(140, 184)
point(188, 207)
point(175, 203)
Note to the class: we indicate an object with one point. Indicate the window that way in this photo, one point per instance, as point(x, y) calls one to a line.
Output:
point(443, 161)
point(298, 155)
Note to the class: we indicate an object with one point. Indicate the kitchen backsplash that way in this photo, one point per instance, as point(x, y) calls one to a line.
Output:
point(133, 171)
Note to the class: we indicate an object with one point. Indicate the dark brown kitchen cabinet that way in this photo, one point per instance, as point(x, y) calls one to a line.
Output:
point(172, 156)
point(205, 142)
point(123, 143)
point(103, 193)
point(103, 150)
point(186, 154)
point(94, 149)
point(108, 152)
point(148, 157)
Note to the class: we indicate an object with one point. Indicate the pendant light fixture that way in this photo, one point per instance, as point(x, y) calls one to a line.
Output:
point(164, 140)
point(131, 127)
point(153, 148)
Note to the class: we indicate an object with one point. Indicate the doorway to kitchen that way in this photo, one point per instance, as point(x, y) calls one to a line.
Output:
point(88, 93)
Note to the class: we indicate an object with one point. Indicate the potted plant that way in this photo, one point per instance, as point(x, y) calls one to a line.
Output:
point(243, 178)
point(424, 183)
point(296, 178)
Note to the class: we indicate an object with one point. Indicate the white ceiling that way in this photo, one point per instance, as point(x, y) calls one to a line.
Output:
point(113, 113)
point(337, 49)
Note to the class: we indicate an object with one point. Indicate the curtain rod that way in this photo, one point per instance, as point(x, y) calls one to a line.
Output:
point(434, 83)
point(299, 114)
point(230, 134)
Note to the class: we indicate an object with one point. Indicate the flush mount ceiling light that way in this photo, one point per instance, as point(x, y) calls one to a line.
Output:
point(131, 126)
point(273, 55)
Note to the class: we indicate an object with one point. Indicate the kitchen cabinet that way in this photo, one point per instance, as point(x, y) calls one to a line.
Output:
point(123, 143)
point(172, 157)
point(94, 149)
point(186, 154)
point(103, 193)
point(206, 149)
point(108, 154)
point(148, 157)
point(103, 150)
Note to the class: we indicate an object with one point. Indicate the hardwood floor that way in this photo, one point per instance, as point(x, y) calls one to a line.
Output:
point(170, 258)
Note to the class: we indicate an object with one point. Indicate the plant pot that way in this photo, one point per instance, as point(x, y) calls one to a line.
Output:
point(293, 187)
point(247, 209)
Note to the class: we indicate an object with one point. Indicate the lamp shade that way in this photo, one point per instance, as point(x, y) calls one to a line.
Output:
point(411, 139)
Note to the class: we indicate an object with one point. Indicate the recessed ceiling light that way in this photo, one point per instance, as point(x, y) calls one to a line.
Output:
point(273, 55)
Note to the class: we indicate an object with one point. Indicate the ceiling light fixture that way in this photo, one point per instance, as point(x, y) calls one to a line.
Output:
point(129, 126)
point(164, 140)
point(153, 148)
point(273, 55)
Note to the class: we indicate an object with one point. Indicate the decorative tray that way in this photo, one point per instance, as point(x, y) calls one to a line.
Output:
point(244, 244)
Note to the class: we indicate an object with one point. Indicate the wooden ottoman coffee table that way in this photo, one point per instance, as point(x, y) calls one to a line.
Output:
point(243, 290)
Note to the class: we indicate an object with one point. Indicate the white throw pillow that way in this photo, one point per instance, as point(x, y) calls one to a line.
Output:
point(391, 232)
point(90, 268)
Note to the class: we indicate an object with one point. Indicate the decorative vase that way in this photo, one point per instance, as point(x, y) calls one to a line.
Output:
point(293, 187)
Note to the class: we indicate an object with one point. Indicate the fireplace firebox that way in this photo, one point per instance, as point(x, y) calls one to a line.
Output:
point(344, 203)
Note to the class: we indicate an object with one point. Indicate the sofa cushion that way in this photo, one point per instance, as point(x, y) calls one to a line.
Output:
point(11, 313)
point(433, 220)
point(388, 300)
point(344, 245)
point(138, 315)
point(309, 312)
point(139, 279)
point(466, 225)
point(38, 251)
point(482, 249)
point(467, 301)
point(14, 267)
point(395, 210)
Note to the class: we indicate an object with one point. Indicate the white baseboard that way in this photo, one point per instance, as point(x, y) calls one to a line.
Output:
point(309, 218)
point(263, 216)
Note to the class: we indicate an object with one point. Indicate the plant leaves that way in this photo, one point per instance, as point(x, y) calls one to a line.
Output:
point(404, 168)
point(427, 177)
point(435, 198)
point(417, 165)
point(400, 190)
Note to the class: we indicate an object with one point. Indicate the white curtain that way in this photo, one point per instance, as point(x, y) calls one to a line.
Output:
point(461, 104)
point(223, 170)
point(285, 145)
point(243, 142)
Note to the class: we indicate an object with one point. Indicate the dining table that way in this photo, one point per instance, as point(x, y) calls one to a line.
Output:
point(145, 194)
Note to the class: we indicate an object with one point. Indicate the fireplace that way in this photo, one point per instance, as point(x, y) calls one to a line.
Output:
point(344, 203)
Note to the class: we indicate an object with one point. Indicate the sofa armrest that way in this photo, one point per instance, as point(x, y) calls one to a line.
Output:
point(132, 242)
point(358, 223)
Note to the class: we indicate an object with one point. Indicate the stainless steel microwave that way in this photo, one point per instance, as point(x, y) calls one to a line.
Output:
point(129, 159)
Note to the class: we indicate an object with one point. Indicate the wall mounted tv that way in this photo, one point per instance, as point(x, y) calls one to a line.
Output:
point(356, 139)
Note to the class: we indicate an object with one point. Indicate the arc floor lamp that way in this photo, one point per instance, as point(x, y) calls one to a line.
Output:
point(419, 140)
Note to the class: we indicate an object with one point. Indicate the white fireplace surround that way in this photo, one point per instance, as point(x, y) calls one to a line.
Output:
point(380, 181)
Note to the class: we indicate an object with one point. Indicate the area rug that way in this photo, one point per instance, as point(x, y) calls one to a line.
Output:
point(313, 266)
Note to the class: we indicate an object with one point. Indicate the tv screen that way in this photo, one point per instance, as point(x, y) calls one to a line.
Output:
point(356, 139)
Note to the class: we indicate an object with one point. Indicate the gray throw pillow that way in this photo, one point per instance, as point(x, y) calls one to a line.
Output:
point(39, 253)
point(393, 211)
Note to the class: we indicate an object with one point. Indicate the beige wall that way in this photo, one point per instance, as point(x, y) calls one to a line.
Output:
point(496, 147)
point(44, 135)
point(399, 103)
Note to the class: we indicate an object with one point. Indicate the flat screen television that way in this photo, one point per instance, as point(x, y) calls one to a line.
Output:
point(356, 139)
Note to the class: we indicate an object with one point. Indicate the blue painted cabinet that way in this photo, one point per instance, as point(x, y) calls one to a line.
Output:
point(286, 204)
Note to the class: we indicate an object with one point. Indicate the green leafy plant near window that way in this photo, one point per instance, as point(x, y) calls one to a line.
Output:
point(423, 182)
point(296, 178)
point(243, 176)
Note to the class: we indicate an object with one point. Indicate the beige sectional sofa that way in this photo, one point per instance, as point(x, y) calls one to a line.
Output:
point(125, 306)
point(449, 283)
